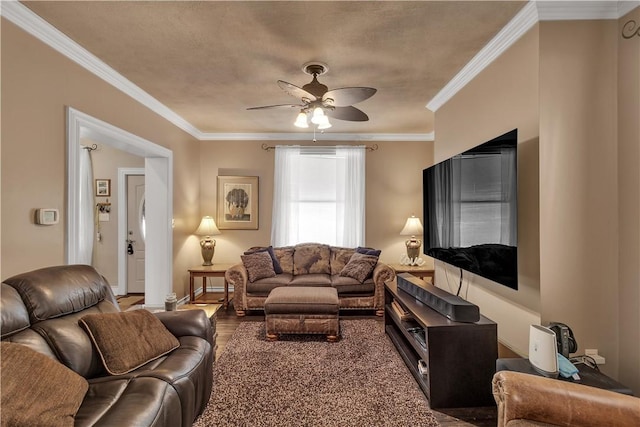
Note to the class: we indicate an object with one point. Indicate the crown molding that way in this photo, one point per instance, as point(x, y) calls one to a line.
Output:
point(518, 26)
point(33, 24)
point(625, 7)
point(532, 13)
point(580, 10)
point(309, 136)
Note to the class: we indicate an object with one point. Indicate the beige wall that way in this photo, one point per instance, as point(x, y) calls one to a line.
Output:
point(37, 85)
point(501, 98)
point(393, 191)
point(579, 178)
point(629, 212)
point(106, 161)
point(573, 91)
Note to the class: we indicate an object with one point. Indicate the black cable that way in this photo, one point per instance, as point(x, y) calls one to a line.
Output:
point(460, 285)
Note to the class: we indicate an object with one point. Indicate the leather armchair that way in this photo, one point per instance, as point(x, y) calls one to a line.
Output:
point(531, 400)
point(41, 309)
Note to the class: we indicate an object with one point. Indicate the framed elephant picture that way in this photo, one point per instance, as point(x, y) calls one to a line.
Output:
point(237, 203)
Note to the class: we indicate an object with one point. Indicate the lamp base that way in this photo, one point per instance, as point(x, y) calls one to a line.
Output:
point(413, 247)
point(208, 247)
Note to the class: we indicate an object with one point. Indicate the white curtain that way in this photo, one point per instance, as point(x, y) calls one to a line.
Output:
point(319, 195)
point(351, 229)
point(87, 206)
point(284, 227)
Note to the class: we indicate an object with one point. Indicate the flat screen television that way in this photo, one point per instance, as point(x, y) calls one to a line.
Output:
point(471, 210)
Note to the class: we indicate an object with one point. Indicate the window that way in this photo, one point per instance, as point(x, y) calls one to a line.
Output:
point(484, 203)
point(475, 200)
point(318, 196)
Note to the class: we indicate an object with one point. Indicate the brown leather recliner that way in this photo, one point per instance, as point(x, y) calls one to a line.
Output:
point(531, 400)
point(41, 309)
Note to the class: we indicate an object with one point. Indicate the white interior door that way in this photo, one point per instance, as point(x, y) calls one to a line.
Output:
point(136, 226)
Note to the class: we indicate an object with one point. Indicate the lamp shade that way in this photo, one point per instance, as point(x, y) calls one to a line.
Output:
point(413, 227)
point(301, 120)
point(325, 124)
point(207, 227)
point(318, 116)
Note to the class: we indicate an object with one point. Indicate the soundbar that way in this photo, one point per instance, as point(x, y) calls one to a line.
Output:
point(451, 306)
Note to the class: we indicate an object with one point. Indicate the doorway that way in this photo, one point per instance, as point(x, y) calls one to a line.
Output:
point(158, 171)
point(136, 227)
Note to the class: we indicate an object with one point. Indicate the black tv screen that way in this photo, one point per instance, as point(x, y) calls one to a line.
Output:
point(471, 210)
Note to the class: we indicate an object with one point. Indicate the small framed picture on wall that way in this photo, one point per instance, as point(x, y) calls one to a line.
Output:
point(237, 203)
point(103, 187)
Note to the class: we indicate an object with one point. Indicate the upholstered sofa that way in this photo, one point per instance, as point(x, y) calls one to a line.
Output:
point(313, 264)
point(531, 400)
point(48, 311)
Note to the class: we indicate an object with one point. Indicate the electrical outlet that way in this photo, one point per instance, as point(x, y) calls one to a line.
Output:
point(593, 353)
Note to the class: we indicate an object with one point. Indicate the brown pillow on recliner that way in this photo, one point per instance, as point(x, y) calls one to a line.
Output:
point(128, 340)
point(37, 390)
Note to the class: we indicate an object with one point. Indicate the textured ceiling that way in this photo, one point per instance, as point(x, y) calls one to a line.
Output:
point(209, 61)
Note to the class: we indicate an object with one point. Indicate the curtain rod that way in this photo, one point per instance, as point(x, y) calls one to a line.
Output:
point(93, 147)
point(373, 147)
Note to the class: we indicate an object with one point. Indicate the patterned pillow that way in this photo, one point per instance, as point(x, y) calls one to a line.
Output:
point(259, 265)
point(37, 390)
point(285, 258)
point(339, 258)
point(128, 340)
point(274, 259)
point(311, 258)
point(360, 266)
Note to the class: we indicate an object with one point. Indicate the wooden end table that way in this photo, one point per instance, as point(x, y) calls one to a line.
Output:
point(204, 271)
point(421, 271)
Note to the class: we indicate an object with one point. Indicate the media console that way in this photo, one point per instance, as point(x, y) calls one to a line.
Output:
point(459, 359)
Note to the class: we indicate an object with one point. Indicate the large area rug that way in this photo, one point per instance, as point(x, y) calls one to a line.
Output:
point(305, 381)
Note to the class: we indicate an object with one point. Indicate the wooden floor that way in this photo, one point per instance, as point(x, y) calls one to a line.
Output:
point(227, 322)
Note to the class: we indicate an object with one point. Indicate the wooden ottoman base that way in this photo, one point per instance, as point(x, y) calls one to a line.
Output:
point(302, 310)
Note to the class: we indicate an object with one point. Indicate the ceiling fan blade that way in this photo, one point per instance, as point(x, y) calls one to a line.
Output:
point(347, 113)
point(295, 91)
point(277, 106)
point(346, 96)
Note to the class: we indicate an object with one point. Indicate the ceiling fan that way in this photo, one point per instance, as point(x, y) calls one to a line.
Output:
point(319, 102)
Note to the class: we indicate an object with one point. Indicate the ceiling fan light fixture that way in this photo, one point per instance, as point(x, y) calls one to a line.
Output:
point(323, 121)
point(325, 125)
point(316, 100)
point(318, 116)
point(301, 120)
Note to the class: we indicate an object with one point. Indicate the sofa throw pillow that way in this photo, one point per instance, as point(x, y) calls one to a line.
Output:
point(128, 340)
point(258, 265)
point(311, 258)
point(368, 251)
point(285, 258)
point(37, 390)
point(360, 266)
point(339, 258)
point(272, 254)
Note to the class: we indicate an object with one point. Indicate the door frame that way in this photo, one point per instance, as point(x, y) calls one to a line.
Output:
point(158, 172)
point(123, 173)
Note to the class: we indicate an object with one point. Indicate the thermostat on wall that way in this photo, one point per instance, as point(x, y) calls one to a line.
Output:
point(46, 216)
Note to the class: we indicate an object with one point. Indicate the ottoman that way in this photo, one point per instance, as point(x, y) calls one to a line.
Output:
point(302, 310)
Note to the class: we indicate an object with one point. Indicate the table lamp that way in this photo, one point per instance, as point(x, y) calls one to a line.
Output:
point(413, 228)
point(207, 228)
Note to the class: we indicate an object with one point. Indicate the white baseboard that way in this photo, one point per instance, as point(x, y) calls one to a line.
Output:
point(198, 291)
